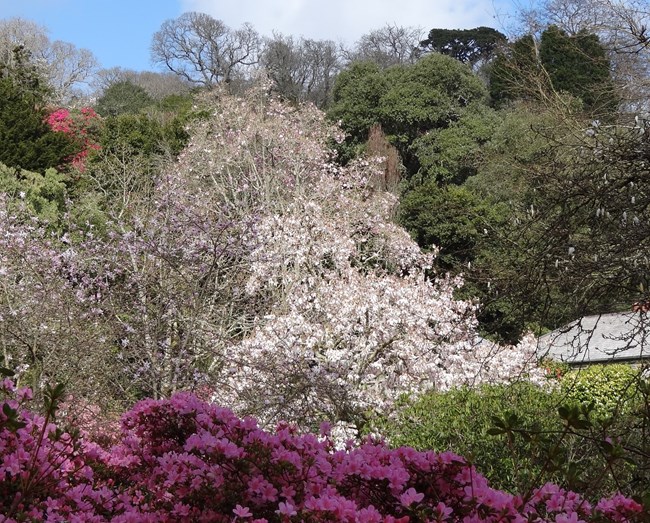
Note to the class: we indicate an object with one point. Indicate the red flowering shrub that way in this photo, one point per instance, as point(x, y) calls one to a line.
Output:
point(82, 126)
point(182, 459)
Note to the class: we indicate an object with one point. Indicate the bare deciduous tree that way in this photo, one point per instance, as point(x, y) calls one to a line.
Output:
point(158, 85)
point(16, 32)
point(302, 69)
point(68, 66)
point(203, 50)
point(390, 45)
point(64, 66)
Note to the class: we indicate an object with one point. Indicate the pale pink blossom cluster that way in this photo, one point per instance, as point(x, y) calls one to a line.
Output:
point(45, 313)
point(349, 316)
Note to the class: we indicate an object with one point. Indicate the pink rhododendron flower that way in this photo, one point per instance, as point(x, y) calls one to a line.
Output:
point(411, 496)
point(82, 127)
point(242, 512)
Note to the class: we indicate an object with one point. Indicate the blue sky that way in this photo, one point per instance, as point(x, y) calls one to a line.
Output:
point(119, 32)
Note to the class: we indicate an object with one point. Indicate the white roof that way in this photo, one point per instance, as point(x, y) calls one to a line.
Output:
point(598, 339)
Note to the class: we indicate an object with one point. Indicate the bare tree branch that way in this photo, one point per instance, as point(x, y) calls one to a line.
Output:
point(203, 50)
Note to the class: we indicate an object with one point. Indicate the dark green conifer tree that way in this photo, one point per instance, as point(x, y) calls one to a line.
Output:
point(558, 63)
point(26, 140)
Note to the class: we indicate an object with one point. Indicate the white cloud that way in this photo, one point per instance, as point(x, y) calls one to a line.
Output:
point(345, 20)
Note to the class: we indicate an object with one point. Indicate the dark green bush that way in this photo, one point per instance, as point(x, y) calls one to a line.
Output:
point(123, 98)
point(26, 140)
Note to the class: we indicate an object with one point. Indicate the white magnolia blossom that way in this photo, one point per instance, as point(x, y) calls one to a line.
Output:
point(351, 318)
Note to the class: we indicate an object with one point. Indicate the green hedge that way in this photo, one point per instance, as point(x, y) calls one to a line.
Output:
point(460, 420)
point(612, 388)
point(576, 433)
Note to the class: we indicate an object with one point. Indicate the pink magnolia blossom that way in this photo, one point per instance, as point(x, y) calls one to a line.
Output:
point(257, 270)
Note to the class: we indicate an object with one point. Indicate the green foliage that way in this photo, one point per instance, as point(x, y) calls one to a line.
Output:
point(26, 141)
point(176, 104)
point(133, 150)
point(175, 135)
point(48, 196)
point(466, 45)
point(579, 65)
point(611, 421)
point(507, 277)
point(510, 73)
point(442, 208)
point(23, 73)
point(138, 123)
point(434, 113)
point(138, 134)
point(611, 388)
point(451, 218)
point(461, 420)
point(406, 100)
point(158, 129)
point(123, 98)
point(577, 210)
point(430, 94)
point(451, 155)
point(356, 97)
point(521, 435)
point(560, 63)
point(44, 194)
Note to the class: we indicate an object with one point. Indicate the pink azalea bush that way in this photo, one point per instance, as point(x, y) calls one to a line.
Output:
point(45, 472)
point(183, 460)
point(82, 127)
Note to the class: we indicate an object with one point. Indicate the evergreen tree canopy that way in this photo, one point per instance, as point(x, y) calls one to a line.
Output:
point(467, 45)
point(123, 97)
point(578, 65)
point(560, 63)
point(26, 140)
point(407, 100)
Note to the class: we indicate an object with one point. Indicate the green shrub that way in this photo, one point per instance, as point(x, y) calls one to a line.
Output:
point(44, 194)
point(611, 388)
point(460, 421)
point(521, 435)
point(123, 98)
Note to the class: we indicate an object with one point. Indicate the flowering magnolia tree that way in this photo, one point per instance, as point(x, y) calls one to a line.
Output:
point(256, 268)
point(182, 460)
point(48, 330)
point(347, 317)
point(139, 309)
